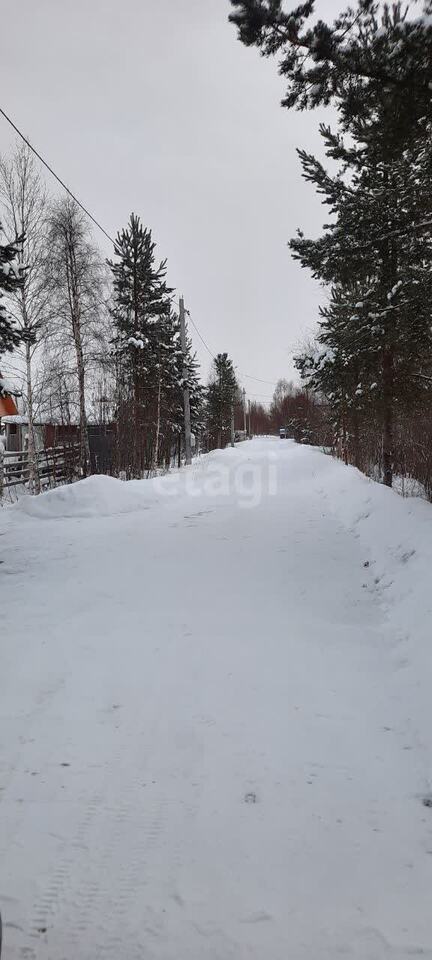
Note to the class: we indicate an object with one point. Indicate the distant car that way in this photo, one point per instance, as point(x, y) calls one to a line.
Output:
point(283, 433)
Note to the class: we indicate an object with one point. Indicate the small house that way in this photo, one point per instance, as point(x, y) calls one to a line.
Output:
point(15, 430)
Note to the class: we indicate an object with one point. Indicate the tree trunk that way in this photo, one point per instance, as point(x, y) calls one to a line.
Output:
point(343, 442)
point(75, 310)
point(388, 448)
point(136, 438)
point(356, 438)
point(34, 479)
point(387, 444)
point(158, 417)
point(1, 467)
point(83, 432)
point(389, 271)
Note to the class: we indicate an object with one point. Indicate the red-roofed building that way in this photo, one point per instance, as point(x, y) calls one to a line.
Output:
point(8, 407)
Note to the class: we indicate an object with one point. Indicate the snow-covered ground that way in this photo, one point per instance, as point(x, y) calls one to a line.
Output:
point(215, 730)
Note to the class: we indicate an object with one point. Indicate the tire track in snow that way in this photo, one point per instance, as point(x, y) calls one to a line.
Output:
point(103, 895)
point(25, 736)
point(58, 889)
point(137, 834)
point(140, 832)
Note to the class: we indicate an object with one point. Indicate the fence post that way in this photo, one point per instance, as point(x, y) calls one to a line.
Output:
point(1, 467)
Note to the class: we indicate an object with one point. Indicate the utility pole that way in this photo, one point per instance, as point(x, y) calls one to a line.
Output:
point(249, 407)
point(232, 426)
point(244, 410)
point(186, 397)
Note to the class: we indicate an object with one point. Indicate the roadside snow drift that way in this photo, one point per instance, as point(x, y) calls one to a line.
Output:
point(216, 716)
point(95, 496)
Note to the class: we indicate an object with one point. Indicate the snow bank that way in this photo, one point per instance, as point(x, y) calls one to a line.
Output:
point(102, 496)
point(397, 537)
point(96, 496)
point(395, 533)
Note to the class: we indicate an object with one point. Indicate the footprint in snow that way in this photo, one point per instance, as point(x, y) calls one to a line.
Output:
point(260, 917)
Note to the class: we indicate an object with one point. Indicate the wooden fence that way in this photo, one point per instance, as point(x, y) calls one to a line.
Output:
point(53, 465)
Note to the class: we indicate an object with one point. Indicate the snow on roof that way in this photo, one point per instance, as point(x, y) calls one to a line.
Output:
point(14, 418)
point(39, 421)
point(8, 386)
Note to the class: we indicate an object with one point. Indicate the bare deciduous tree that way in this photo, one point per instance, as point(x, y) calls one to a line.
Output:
point(75, 277)
point(24, 212)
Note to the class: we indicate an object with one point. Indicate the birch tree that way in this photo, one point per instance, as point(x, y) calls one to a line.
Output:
point(75, 277)
point(24, 210)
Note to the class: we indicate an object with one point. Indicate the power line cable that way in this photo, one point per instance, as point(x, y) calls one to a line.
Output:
point(201, 337)
point(56, 177)
point(264, 396)
point(271, 383)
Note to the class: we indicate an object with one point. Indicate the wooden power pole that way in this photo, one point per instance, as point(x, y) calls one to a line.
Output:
point(186, 397)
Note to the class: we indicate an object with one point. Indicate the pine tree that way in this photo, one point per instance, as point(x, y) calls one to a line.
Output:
point(222, 393)
point(376, 254)
point(197, 392)
point(367, 53)
point(141, 301)
point(336, 369)
point(177, 371)
point(374, 65)
point(164, 381)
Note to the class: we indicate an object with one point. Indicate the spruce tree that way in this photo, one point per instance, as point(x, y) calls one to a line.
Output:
point(141, 300)
point(222, 393)
point(197, 392)
point(164, 373)
point(374, 65)
point(183, 372)
point(376, 254)
point(337, 368)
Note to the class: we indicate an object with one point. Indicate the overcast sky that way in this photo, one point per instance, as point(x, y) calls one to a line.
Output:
point(154, 106)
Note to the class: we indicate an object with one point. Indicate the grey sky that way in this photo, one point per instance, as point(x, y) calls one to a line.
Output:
point(154, 106)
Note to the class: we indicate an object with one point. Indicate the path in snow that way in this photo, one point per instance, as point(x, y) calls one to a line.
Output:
point(201, 754)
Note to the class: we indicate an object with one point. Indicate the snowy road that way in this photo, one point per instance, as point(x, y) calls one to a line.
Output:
point(208, 750)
